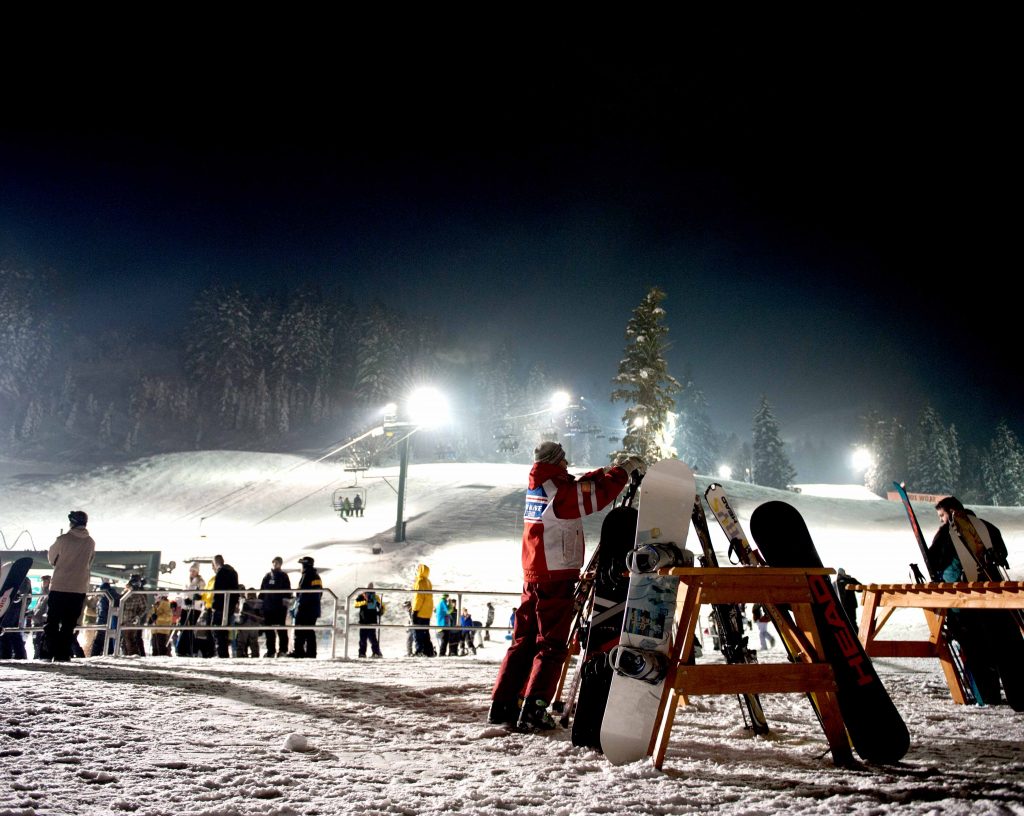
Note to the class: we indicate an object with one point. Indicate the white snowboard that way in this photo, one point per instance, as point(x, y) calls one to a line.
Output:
point(666, 502)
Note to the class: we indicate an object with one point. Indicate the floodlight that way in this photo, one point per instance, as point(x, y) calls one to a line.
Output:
point(560, 400)
point(428, 407)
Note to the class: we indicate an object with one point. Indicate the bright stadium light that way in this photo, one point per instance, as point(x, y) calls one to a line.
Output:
point(725, 472)
point(861, 459)
point(560, 400)
point(428, 408)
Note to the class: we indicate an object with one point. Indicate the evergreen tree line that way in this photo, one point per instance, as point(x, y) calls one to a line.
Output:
point(930, 457)
point(258, 371)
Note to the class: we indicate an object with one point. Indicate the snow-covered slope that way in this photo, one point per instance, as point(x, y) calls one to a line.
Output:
point(405, 735)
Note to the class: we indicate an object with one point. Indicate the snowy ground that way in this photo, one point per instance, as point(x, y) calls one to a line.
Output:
point(405, 735)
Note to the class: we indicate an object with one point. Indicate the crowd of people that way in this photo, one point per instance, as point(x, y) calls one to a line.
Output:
point(216, 616)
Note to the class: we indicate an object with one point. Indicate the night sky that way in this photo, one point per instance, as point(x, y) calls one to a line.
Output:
point(826, 220)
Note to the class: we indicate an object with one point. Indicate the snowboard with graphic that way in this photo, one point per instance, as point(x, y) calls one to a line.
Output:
point(640, 659)
point(876, 729)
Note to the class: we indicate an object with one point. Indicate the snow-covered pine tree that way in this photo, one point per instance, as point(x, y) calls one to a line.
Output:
point(1003, 468)
point(218, 349)
point(887, 441)
point(930, 460)
point(643, 382)
point(378, 356)
point(26, 336)
point(772, 467)
point(696, 439)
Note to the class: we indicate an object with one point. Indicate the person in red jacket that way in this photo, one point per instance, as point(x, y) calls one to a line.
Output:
point(552, 557)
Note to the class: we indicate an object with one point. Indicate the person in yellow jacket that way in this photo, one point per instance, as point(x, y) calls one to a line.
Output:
point(422, 606)
point(161, 615)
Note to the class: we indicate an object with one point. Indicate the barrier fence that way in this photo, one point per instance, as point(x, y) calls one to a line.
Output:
point(459, 594)
point(191, 600)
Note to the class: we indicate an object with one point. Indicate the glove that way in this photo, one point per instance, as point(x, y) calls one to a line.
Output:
point(632, 464)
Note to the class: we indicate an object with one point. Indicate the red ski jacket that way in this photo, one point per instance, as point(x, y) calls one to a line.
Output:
point(555, 504)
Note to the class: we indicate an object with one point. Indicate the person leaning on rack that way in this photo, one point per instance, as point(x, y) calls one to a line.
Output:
point(552, 554)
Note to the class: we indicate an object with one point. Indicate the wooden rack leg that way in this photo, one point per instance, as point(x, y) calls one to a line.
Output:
point(935, 618)
point(687, 611)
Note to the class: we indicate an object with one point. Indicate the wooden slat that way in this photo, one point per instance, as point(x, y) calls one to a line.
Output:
point(901, 648)
point(771, 678)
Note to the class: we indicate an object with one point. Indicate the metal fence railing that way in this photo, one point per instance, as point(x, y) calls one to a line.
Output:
point(112, 629)
point(458, 594)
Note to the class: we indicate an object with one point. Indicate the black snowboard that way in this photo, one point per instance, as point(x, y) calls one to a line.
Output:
point(876, 728)
point(617, 533)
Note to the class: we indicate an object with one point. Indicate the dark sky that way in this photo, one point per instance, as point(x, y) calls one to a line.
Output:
point(826, 219)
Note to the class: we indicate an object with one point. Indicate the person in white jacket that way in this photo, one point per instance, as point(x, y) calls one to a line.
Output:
point(71, 557)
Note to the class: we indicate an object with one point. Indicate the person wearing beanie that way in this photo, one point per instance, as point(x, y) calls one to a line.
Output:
point(552, 556)
point(71, 557)
point(307, 609)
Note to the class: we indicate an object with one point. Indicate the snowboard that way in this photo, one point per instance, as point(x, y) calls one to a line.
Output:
point(874, 724)
point(640, 659)
point(12, 575)
point(1001, 633)
point(585, 709)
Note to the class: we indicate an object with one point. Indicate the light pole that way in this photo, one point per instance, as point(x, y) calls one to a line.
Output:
point(427, 408)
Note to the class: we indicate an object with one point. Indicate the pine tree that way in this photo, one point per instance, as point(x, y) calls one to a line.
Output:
point(1003, 468)
point(930, 463)
point(644, 383)
point(696, 439)
point(772, 467)
point(886, 439)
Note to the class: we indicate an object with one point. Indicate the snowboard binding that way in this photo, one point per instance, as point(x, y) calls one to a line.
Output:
point(640, 664)
point(652, 557)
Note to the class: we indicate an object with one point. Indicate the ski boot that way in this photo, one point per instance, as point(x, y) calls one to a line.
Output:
point(506, 714)
point(535, 716)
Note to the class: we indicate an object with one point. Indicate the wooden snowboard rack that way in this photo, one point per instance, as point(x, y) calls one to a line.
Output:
point(764, 585)
point(935, 601)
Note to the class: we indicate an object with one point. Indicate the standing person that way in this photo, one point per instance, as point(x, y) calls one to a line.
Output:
point(106, 611)
point(307, 609)
point(410, 634)
point(71, 557)
point(762, 620)
point(39, 620)
point(161, 614)
point(275, 608)
point(247, 642)
point(441, 620)
point(978, 631)
point(191, 612)
point(371, 607)
point(847, 597)
point(490, 620)
point(552, 555)
point(133, 613)
point(467, 632)
point(224, 604)
point(422, 604)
